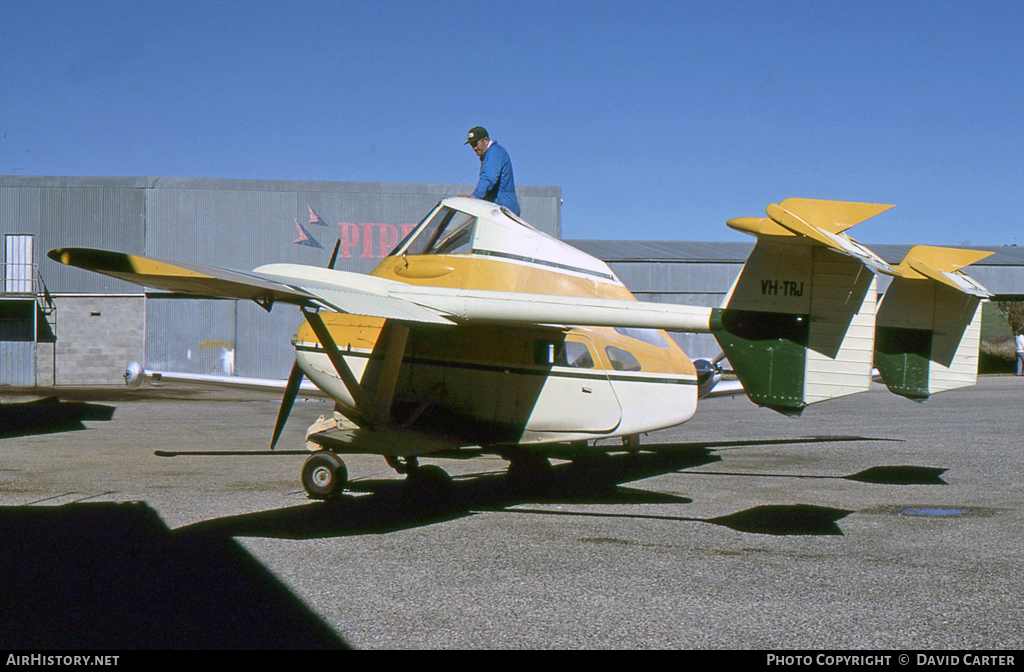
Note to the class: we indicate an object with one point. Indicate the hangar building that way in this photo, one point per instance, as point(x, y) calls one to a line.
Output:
point(63, 326)
point(700, 274)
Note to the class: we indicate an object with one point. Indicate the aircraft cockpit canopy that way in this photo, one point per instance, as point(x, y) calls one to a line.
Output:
point(469, 226)
point(444, 231)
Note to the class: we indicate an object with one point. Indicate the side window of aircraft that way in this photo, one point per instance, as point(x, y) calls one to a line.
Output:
point(578, 355)
point(564, 353)
point(447, 232)
point(457, 238)
point(652, 336)
point(622, 360)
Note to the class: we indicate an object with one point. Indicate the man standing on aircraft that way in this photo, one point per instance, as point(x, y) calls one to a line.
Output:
point(1019, 342)
point(496, 182)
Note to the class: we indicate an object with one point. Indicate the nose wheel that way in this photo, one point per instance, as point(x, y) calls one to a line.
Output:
point(324, 475)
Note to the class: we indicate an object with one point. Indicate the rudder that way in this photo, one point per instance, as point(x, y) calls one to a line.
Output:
point(800, 326)
point(797, 325)
point(928, 329)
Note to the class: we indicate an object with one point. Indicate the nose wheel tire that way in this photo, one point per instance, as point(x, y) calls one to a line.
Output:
point(324, 475)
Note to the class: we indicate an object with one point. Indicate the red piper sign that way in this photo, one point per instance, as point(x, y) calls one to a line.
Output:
point(370, 240)
point(366, 240)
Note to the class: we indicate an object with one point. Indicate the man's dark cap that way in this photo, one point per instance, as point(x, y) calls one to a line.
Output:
point(476, 134)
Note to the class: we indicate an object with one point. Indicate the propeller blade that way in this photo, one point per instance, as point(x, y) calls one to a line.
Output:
point(334, 255)
point(290, 392)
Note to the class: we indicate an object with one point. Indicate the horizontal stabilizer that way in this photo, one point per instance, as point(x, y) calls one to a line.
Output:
point(943, 265)
point(839, 242)
point(822, 222)
point(832, 216)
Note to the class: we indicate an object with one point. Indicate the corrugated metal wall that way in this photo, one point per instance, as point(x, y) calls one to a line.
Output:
point(17, 363)
point(108, 214)
point(231, 223)
point(242, 224)
point(238, 224)
point(17, 342)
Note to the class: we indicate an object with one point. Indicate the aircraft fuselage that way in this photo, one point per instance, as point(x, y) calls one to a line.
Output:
point(494, 384)
point(499, 384)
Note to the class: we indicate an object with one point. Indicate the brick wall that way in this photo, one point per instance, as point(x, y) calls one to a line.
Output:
point(96, 338)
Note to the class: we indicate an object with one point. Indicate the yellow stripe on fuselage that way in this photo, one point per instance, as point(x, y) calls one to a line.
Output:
point(502, 346)
point(485, 273)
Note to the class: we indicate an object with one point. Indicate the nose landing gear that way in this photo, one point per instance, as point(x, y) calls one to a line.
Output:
point(324, 475)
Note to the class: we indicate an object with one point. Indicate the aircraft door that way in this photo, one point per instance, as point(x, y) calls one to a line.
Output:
point(574, 395)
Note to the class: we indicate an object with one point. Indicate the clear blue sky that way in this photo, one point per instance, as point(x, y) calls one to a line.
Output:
point(659, 120)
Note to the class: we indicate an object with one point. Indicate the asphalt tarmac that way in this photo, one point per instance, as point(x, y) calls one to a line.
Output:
point(872, 522)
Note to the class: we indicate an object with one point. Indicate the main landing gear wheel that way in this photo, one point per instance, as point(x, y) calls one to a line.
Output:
point(528, 467)
point(428, 485)
point(430, 475)
point(324, 475)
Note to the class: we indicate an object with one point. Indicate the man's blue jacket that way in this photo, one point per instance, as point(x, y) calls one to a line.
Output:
point(496, 182)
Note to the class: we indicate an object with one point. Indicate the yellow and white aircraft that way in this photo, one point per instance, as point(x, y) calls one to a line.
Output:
point(480, 332)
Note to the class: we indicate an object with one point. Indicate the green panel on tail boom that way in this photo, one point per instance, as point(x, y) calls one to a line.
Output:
point(902, 357)
point(768, 352)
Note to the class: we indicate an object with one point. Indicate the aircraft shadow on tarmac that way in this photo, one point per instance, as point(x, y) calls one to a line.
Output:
point(381, 506)
point(48, 416)
point(114, 576)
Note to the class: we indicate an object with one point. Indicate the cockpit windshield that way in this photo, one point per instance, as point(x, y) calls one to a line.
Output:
point(448, 231)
